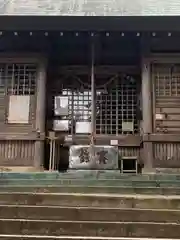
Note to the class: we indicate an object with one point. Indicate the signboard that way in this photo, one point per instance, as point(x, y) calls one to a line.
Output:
point(106, 157)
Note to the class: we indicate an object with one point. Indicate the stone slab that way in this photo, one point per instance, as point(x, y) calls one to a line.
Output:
point(92, 174)
point(95, 228)
point(89, 214)
point(91, 182)
point(35, 237)
point(92, 189)
point(94, 200)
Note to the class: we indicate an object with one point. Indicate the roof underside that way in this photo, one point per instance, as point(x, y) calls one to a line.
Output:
point(91, 7)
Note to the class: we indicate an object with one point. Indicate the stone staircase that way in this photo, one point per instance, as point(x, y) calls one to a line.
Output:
point(89, 206)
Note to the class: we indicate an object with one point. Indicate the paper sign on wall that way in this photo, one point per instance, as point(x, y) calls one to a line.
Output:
point(19, 109)
point(61, 105)
point(61, 125)
point(83, 127)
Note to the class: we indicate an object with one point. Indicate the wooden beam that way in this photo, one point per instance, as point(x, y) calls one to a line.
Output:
point(123, 140)
point(104, 70)
point(164, 138)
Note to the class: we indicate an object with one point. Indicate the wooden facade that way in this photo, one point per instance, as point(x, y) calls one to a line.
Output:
point(137, 80)
point(21, 77)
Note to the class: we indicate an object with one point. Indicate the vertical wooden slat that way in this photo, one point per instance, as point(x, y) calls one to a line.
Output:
point(166, 154)
point(129, 152)
point(166, 78)
point(16, 153)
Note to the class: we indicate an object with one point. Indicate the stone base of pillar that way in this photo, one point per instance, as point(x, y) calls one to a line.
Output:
point(148, 155)
point(39, 155)
point(148, 170)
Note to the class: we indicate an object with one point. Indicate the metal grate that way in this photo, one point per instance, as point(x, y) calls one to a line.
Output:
point(18, 79)
point(167, 80)
point(116, 106)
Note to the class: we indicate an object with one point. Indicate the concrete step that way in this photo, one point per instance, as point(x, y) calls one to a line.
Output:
point(89, 228)
point(92, 189)
point(35, 237)
point(91, 182)
point(94, 200)
point(89, 214)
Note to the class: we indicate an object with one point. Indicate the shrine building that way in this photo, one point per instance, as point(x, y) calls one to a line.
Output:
point(76, 77)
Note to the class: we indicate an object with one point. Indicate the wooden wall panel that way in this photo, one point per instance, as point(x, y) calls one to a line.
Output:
point(166, 79)
point(17, 153)
point(166, 155)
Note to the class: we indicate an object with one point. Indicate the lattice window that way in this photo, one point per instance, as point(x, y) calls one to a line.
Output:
point(19, 79)
point(116, 106)
point(167, 80)
point(79, 104)
point(78, 107)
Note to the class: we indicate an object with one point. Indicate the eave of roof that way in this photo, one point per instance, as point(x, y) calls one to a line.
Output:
point(90, 7)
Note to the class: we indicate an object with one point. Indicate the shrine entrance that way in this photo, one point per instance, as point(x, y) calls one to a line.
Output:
point(95, 97)
point(116, 104)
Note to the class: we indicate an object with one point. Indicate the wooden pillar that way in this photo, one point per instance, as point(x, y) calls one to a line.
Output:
point(147, 114)
point(93, 106)
point(40, 115)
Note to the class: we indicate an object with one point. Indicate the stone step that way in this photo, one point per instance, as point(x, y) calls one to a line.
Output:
point(84, 174)
point(89, 214)
point(92, 189)
point(35, 237)
point(91, 182)
point(94, 200)
point(89, 228)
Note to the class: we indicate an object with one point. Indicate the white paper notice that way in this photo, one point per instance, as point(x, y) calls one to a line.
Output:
point(61, 106)
point(19, 109)
point(83, 127)
point(61, 125)
point(114, 142)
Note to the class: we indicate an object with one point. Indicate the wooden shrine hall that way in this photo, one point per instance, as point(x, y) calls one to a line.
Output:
point(85, 92)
